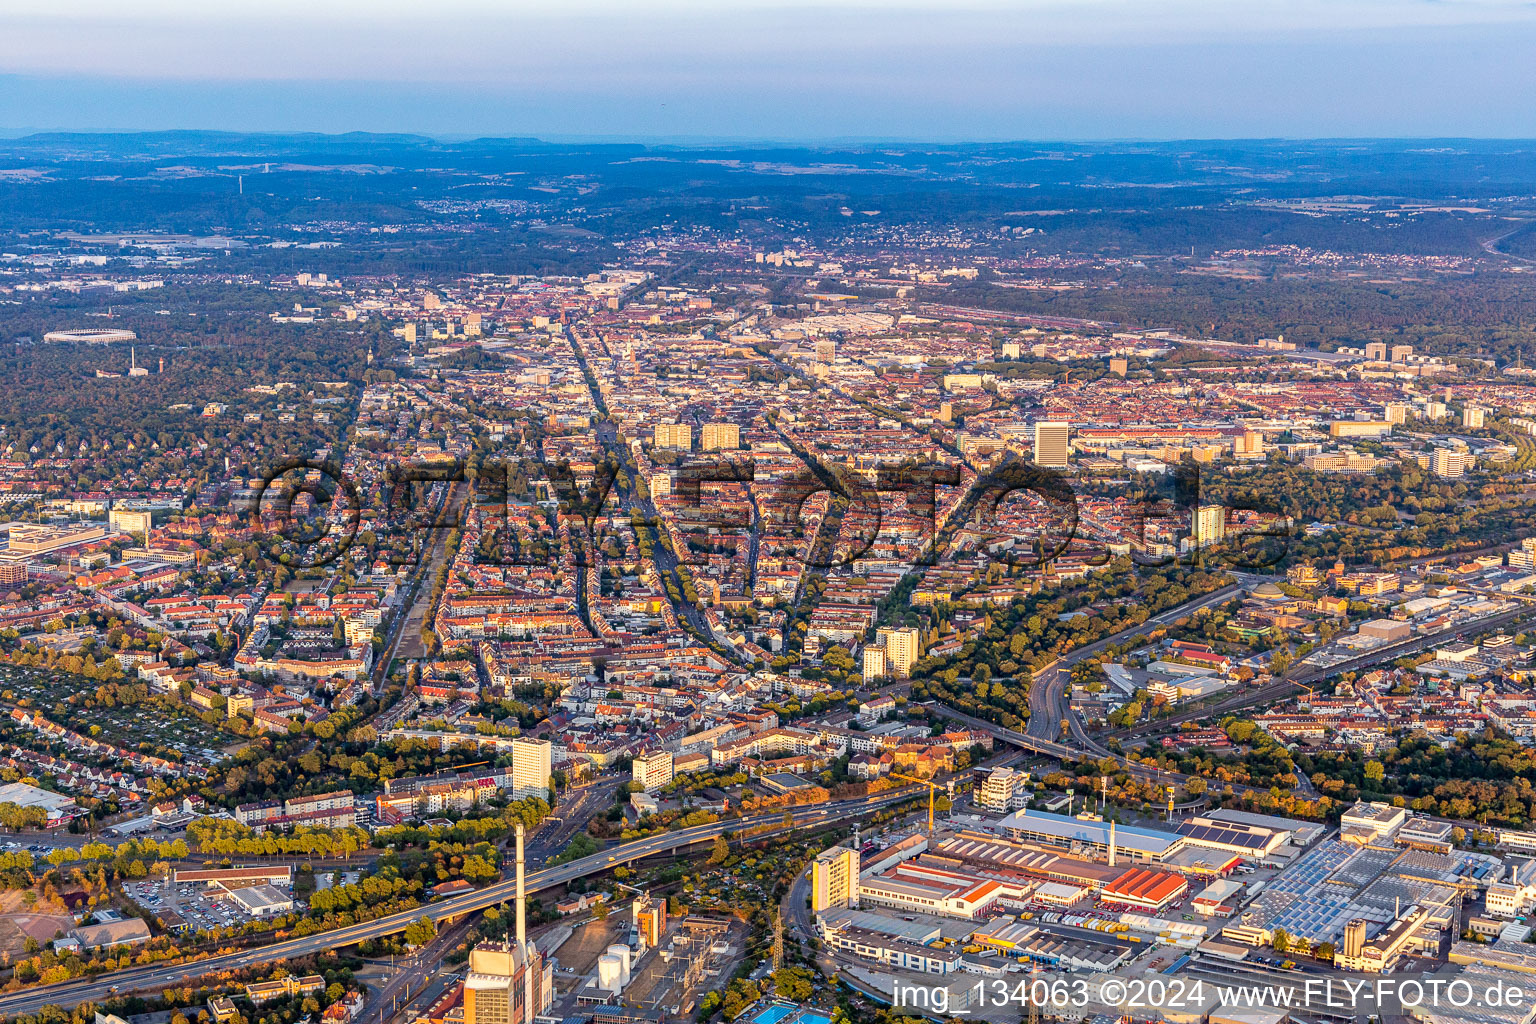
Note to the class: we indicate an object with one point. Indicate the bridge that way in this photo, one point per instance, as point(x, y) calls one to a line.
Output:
point(155, 977)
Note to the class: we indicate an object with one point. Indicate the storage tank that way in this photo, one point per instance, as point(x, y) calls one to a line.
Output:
point(610, 973)
point(618, 949)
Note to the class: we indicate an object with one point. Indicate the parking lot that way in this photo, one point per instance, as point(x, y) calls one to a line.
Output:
point(201, 908)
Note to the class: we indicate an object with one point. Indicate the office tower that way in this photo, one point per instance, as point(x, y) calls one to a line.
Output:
point(1402, 353)
point(652, 770)
point(835, 879)
point(874, 663)
point(531, 767)
point(1376, 352)
point(1051, 440)
point(1209, 525)
point(674, 435)
point(721, 437)
point(1472, 417)
point(509, 983)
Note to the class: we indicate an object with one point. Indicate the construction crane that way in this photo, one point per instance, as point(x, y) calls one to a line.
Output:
point(932, 788)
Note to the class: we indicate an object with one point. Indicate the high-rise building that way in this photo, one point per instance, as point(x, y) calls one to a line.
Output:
point(12, 573)
point(1472, 417)
point(1248, 445)
point(1003, 791)
point(1376, 351)
point(507, 982)
point(1119, 367)
point(721, 437)
point(532, 765)
point(874, 663)
point(826, 351)
point(902, 648)
point(649, 917)
point(1397, 413)
point(661, 485)
point(674, 435)
point(652, 770)
point(1209, 525)
point(1451, 462)
point(1402, 353)
point(429, 300)
point(1522, 557)
point(1051, 443)
point(834, 879)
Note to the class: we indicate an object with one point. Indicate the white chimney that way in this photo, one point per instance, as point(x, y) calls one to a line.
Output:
point(1111, 844)
point(524, 951)
point(522, 895)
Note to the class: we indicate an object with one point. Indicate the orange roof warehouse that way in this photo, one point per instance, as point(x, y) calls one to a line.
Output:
point(1145, 889)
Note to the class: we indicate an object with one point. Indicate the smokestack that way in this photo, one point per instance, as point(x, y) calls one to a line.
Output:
point(1111, 844)
point(522, 895)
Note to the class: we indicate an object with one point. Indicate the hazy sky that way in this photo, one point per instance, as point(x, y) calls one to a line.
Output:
point(783, 69)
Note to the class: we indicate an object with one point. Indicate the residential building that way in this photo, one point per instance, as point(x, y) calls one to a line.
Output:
point(532, 766)
point(835, 879)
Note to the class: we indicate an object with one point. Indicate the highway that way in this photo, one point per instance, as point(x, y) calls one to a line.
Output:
point(1049, 704)
point(155, 977)
point(1303, 675)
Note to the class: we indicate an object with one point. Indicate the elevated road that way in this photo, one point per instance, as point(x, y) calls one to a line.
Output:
point(155, 977)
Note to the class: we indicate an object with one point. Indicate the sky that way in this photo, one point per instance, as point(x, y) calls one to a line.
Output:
point(790, 70)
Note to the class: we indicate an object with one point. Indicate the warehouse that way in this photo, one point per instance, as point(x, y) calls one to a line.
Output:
point(894, 952)
point(1028, 942)
point(1058, 894)
point(1099, 838)
point(1252, 842)
point(1000, 859)
point(1220, 898)
point(1145, 888)
point(261, 901)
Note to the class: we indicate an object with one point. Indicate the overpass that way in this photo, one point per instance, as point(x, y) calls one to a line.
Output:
point(155, 977)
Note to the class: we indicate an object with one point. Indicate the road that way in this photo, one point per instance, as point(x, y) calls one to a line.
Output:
point(408, 977)
point(1049, 703)
point(1300, 676)
point(575, 808)
point(155, 977)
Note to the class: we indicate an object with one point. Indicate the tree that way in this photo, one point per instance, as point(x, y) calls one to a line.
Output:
point(720, 851)
point(420, 932)
point(1281, 941)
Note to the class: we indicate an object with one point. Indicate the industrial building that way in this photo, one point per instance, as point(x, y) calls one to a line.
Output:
point(507, 982)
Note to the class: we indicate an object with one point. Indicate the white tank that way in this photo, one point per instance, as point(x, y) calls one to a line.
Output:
point(621, 951)
point(610, 973)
